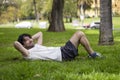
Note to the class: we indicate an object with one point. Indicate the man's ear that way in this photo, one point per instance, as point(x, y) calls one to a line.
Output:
point(24, 44)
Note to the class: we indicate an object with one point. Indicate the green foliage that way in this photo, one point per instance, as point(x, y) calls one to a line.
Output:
point(9, 10)
point(9, 15)
point(27, 9)
point(42, 7)
point(70, 10)
point(47, 7)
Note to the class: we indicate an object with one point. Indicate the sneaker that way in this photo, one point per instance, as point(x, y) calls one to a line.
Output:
point(94, 55)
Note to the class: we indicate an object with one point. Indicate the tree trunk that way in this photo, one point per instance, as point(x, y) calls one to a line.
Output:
point(106, 34)
point(56, 19)
point(96, 8)
point(36, 14)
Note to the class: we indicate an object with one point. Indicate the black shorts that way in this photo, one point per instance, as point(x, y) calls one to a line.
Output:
point(69, 52)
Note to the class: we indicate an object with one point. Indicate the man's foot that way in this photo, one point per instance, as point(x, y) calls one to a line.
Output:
point(94, 55)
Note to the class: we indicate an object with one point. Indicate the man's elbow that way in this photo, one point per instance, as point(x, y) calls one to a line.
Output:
point(40, 33)
point(15, 44)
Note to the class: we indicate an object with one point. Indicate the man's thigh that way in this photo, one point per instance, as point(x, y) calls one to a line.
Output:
point(75, 40)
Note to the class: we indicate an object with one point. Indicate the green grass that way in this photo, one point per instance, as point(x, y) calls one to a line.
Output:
point(14, 67)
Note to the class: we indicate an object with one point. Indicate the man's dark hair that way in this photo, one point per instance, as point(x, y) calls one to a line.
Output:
point(21, 37)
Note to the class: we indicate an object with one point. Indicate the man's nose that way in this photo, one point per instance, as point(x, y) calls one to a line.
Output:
point(31, 40)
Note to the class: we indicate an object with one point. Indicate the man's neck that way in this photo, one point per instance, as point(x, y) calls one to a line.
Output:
point(29, 47)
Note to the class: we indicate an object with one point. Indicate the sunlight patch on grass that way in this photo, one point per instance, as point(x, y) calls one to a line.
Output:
point(95, 31)
point(1, 33)
point(100, 76)
point(117, 39)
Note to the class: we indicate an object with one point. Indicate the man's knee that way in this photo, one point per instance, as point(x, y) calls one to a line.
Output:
point(80, 33)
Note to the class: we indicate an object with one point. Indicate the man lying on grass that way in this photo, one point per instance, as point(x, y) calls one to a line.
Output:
point(69, 51)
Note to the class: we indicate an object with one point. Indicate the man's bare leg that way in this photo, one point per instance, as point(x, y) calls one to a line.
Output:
point(80, 38)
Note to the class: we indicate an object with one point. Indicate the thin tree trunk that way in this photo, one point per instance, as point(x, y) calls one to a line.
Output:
point(36, 14)
point(106, 34)
point(96, 8)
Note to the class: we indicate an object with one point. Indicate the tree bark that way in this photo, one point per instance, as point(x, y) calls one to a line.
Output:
point(35, 9)
point(106, 34)
point(96, 8)
point(56, 18)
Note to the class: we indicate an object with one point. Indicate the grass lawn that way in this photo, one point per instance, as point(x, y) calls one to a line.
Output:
point(14, 67)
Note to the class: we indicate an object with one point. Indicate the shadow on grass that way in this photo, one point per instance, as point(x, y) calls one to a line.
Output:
point(8, 61)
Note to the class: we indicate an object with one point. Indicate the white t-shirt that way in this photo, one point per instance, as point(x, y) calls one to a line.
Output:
point(44, 53)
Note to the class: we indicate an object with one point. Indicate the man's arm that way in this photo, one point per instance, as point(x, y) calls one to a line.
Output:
point(20, 48)
point(38, 36)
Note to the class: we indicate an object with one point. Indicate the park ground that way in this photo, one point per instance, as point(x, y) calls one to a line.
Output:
point(14, 67)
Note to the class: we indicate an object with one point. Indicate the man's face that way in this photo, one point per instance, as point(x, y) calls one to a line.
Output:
point(28, 42)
